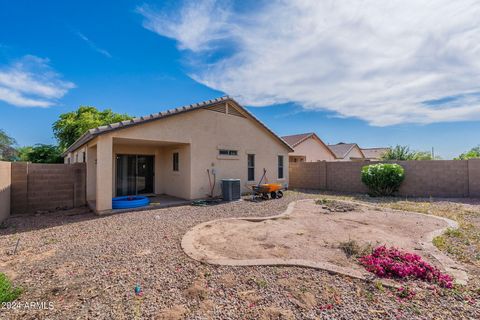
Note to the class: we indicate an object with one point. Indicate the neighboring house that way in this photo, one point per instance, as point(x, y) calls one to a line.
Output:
point(347, 152)
point(170, 152)
point(308, 147)
point(374, 153)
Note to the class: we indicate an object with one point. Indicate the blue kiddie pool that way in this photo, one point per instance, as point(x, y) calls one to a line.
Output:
point(129, 202)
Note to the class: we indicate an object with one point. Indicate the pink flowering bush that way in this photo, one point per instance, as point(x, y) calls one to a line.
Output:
point(393, 263)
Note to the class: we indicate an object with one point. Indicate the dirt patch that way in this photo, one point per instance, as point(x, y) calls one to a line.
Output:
point(176, 312)
point(273, 313)
point(306, 233)
point(197, 291)
point(336, 206)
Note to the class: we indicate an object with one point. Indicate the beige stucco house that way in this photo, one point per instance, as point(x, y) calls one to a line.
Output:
point(347, 152)
point(170, 153)
point(308, 147)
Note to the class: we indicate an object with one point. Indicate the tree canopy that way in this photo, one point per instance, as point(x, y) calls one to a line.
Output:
point(471, 154)
point(7, 147)
point(404, 153)
point(71, 125)
point(40, 153)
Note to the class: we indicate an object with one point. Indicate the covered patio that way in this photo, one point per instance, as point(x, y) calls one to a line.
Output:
point(124, 166)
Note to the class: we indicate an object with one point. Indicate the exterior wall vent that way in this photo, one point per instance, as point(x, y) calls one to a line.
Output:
point(234, 112)
point(222, 108)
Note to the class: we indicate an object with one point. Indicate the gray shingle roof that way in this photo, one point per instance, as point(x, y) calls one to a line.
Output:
point(92, 133)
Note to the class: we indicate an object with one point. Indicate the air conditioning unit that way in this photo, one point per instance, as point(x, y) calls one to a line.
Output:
point(230, 189)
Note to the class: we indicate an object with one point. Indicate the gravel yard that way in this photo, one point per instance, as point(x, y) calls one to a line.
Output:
point(88, 267)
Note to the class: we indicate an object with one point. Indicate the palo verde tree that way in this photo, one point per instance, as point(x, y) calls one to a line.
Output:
point(70, 126)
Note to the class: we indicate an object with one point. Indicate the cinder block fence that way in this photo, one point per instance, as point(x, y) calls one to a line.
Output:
point(436, 178)
point(32, 187)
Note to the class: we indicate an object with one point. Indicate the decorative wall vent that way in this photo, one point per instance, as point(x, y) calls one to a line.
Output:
point(218, 108)
point(234, 112)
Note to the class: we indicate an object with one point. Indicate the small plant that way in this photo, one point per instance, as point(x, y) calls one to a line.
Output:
point(383, 179)
point(405, 293)
point(393, 263)
point(261, 283)
point(379, 286)
point(351, 248)
point(8, 293)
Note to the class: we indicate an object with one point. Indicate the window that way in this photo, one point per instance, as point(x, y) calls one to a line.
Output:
point(280, 167)
point(175, 161)
point(84, 157)
point(224, 152)
point(251, 167)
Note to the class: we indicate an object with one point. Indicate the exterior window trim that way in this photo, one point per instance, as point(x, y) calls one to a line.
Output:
point(280, 166)
point(176, 161)
point(227, 152)
point(251, 166)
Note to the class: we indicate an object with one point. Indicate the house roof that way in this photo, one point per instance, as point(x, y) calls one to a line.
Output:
point(374, 153)
point(92, 133)
point(296, 139)
point(342, 149)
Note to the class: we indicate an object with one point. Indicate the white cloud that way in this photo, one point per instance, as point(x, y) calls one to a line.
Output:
point(31, 82)
point(374, 60)
point(92, 45)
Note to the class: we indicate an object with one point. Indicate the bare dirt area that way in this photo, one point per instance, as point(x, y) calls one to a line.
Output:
point(88, 267)
point(314, 232)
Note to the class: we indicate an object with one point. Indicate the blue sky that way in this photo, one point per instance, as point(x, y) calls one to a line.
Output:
point(401, 73)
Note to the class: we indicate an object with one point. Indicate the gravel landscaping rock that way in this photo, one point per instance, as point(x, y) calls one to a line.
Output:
point(88, 266)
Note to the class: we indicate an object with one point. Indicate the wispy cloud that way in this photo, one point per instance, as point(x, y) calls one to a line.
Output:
point(31, 82)
point(93, 46)
point(377, 61)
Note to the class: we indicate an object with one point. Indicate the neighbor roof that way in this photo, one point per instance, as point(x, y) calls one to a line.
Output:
point(374, 153)
point(296, 139)
point(92, 133)
point(342, 149)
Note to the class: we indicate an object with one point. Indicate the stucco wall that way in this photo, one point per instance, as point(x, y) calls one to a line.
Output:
point(5, 186)
point(439, 178)
point(197, 136)
point(313, 150)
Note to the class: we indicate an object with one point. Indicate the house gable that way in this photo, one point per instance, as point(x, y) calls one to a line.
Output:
point(224, 105)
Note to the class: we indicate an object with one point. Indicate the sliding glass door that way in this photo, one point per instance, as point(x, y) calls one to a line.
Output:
point(134, 174)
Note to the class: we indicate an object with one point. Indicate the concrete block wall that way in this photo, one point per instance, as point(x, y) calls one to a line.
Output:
point(474, 178)
point(38, 187)
point(438, 178)
point(309, 175)
point(5, 189)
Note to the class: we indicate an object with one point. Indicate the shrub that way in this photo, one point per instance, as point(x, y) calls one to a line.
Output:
point(393, 263)
point(353, 248)
point(383, 179)
point(7, 291)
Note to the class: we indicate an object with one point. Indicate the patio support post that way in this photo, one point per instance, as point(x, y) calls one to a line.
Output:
point(104, 173)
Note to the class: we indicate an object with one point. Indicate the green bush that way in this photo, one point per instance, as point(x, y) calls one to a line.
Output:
point(383, 179)
point(7, 291)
